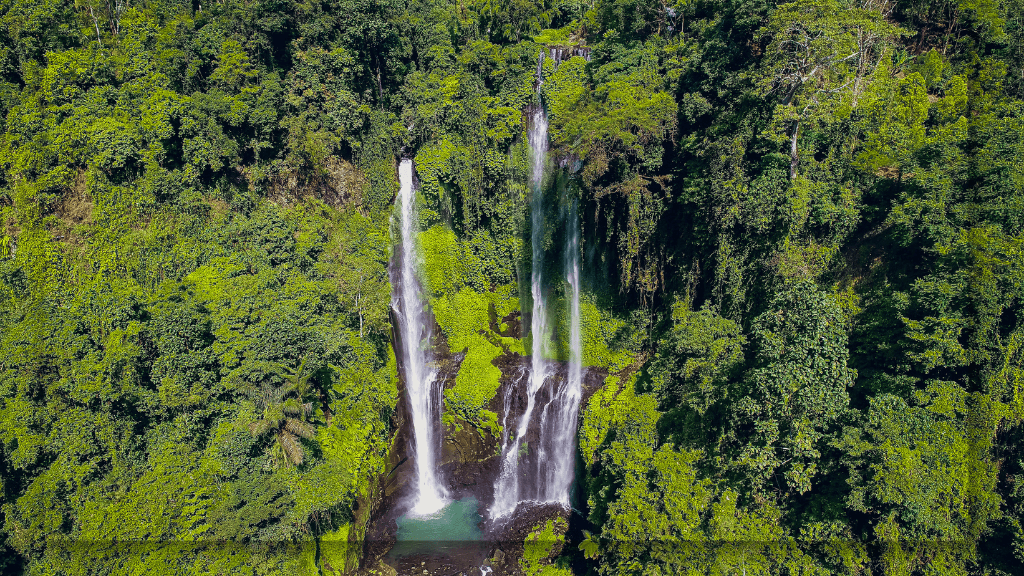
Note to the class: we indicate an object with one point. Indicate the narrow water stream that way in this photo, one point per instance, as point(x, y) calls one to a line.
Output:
point(558, 425)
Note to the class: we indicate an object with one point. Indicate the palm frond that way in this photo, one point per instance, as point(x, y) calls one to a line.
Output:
point(292, 407)
point(261, 427)
point(274, 412)
point(300, 428)
point(291, 446)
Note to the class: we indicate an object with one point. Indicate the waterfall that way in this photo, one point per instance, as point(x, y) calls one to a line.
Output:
point(506, 493)
point(420, 379)
point(551, 478)
point(561, 434)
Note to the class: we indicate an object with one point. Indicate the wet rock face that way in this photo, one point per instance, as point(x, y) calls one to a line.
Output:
point(510, 403)
point(465, 444)
point(423, 565)
point(562, 53)
point(469, 460)
point(510, 326)
point(468, 454)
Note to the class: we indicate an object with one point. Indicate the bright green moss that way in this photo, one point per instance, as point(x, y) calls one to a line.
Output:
point(464, 319)
point(607, 340)
point(538, 547)
point(608, 408)
point(447, 265)
point(305, 563)
point(477, 381)
point(462, 316)
point(337, 553)
point(489, 421)
point(454, 277)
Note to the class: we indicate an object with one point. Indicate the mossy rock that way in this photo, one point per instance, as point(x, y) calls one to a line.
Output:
point(466, 443)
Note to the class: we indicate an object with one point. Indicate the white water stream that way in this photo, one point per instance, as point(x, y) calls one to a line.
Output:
point(506, 493)
point(550, 480)
point(420, 379)
point(560, 435)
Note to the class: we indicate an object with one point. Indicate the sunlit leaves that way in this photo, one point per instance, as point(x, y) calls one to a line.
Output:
point(797, 389)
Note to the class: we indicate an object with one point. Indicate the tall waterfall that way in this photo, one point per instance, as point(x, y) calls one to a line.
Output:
point(506, 494)
point(551, 477)
point(420, 380)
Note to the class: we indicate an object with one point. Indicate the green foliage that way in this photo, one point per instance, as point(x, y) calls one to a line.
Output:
point(800, 235)
point(614, 119)
point(608, 407)
point(697, 359)
point(456, 277)
point(285, 411)
point(816, 60)
point(538, 546)
point(464, 319)
point(608, 340)
point(796, 392)
point(173, 376)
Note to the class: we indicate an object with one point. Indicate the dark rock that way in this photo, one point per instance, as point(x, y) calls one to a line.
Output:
point(465, 444)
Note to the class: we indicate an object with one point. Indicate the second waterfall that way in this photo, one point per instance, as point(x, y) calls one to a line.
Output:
point(549, 478)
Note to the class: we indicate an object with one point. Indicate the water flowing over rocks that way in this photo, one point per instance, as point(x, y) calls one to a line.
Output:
point(470, 464)
point(523, 479)
point(542, 471)
point(562, 53)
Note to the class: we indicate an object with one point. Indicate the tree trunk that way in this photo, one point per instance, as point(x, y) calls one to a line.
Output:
point(793, 153)
point(96, 23)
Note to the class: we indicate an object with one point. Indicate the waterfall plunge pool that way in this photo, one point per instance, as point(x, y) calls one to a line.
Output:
point(453, 532)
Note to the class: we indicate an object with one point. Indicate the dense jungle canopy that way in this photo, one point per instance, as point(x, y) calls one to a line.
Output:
point(803, 256)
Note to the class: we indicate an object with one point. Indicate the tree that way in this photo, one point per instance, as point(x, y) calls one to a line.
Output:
point(286, 409)
point(817, 60)
point(795, 393)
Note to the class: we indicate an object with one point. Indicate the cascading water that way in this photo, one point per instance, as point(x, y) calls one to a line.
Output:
point(560, 434)
point(506, 493)
point(420, 379)
point(552, 476)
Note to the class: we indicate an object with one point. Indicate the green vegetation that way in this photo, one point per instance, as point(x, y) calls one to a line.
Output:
point(802, 251)
point(203, 382)
point(452, 272)
point(539, 546)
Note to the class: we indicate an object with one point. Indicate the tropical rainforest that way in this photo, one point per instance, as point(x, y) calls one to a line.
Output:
point(802, 246)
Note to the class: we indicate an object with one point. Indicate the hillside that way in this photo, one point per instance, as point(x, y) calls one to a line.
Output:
point(796, 319)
